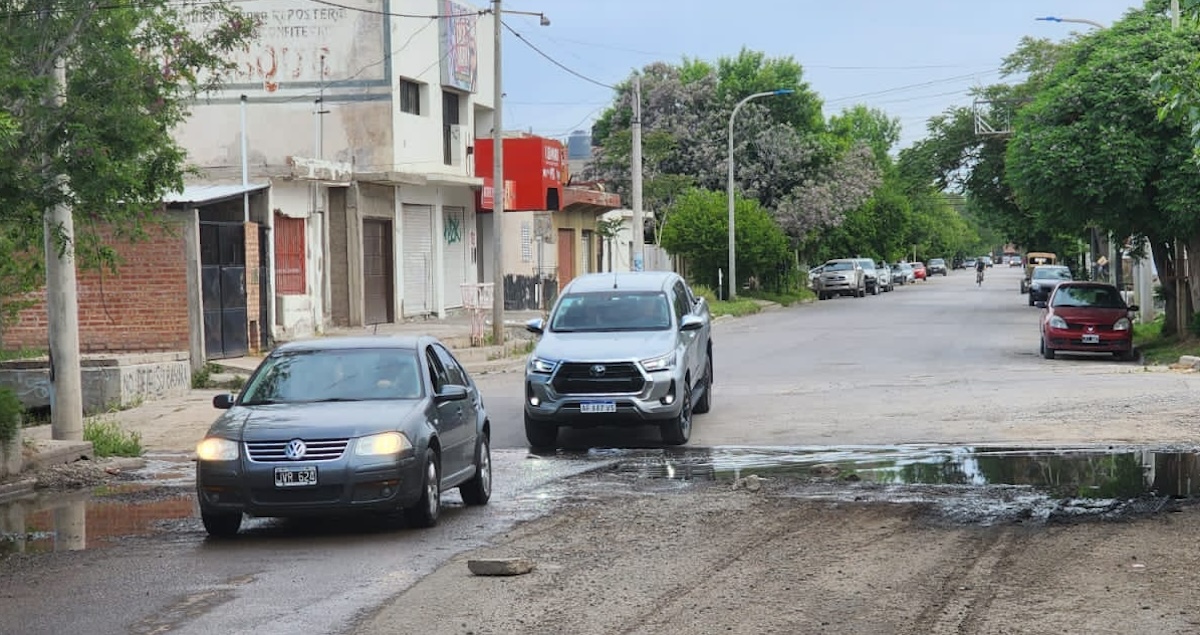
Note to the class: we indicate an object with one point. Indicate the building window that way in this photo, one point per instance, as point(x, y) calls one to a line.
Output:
point(450, 121)
point(289, 255)
point(410, 97)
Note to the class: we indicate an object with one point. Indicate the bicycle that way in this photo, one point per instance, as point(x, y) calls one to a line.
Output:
point(979, 278)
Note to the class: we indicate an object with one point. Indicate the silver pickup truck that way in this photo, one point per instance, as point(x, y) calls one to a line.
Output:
point(620, 349)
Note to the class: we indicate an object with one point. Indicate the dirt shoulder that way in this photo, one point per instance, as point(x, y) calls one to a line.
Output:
point(653, 557)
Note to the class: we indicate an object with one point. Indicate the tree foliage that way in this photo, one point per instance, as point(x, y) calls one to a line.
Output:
point(1091, 150)
point(699, 231)
point(132, 68)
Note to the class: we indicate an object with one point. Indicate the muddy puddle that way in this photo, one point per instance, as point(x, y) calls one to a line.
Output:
point(969, 483)
point(90, 518)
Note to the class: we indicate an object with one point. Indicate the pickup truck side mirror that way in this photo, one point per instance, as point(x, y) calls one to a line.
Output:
point(536, 325)
point(691, 323)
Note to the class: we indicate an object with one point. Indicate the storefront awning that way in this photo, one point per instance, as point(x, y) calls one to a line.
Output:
point(577, 199)
point(199, 194)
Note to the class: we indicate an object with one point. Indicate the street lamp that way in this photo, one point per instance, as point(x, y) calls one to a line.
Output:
point(729, 185)
point(1051, 18)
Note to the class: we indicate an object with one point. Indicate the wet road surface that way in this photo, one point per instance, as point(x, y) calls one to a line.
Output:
point(930, 388)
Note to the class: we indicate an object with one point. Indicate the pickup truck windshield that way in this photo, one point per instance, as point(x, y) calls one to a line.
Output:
point(614, 310)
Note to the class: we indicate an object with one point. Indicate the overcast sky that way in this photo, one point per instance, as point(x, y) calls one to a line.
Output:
point(912, 58)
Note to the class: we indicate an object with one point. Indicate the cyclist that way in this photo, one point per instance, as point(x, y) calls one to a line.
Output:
point(979, 267)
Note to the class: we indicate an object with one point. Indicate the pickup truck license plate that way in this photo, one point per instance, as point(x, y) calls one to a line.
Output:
point(596, 407)
point(296, 476)
point(1091, 338)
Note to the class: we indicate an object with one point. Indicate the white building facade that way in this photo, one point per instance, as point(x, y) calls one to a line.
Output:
point(362, 122)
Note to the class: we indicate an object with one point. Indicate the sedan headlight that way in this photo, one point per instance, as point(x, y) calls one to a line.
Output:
point(217, 449)
point(1122, 324)
point(1058, 323)
point(662, 362)
point(542, 366)
point(382, 444)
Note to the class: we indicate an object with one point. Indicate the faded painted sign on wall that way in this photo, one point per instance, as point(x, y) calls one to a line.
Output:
point(459, 60)
point(302, 44)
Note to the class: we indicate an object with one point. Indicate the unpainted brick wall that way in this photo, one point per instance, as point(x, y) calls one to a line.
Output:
point(142, 307)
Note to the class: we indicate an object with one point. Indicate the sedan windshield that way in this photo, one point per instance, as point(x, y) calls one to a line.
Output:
point(336, 375)
point(612, 311)
point(1051, 274)
point(937, 261)
point(1088, 297)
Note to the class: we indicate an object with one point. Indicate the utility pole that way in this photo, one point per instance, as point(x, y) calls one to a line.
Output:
point(1180, 258)
point(62, 303)
point(635, 168)
point(497, 185)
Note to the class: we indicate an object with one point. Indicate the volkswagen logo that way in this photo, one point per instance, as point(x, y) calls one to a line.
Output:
point(295, 449)
point(598, 370)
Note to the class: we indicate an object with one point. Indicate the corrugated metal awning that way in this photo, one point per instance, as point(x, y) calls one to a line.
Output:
point(199, 194)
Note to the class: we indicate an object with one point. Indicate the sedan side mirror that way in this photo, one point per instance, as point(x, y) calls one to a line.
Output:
point(691, 323)
point(224, 401)
point(536, 325)
point(1133, 308)
point(1041, 304)
point(451, 393)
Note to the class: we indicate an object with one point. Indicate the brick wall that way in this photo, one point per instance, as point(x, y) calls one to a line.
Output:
point(142, 307)
point(253, 291)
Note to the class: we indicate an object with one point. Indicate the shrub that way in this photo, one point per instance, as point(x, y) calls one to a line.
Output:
point(109, 439)
point(11, 411)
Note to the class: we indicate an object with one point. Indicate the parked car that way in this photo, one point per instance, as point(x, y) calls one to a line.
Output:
point(1089, 317)
point(886, 278)
point(843, 276)
point(1014, 261)
point(937, 266)
point(1044, 279)
point(919, 272)
point(813, 274)
point(620, 349)
point(870, 275)
point(343, 425)
point(969, 264)
point(902, 273)
point(1034, 259)
point(987, 261)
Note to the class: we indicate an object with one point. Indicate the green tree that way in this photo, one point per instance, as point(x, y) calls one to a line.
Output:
point(1090, 148)
point(870, 126)
point(699, 231)
point(132, 69)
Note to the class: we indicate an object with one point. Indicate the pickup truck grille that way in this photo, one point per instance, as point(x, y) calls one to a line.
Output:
point(588, 379)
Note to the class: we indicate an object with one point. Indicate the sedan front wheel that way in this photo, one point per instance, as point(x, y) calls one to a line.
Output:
point(427, 509)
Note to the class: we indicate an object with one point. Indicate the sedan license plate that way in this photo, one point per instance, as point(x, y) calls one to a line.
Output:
point(597, 407)
point(296, 476)
point(1091, 338)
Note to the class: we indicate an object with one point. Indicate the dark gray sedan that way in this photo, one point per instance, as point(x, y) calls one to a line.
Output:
point(342, 425)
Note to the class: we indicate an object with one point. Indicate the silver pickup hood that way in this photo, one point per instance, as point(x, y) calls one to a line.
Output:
point(604, 346)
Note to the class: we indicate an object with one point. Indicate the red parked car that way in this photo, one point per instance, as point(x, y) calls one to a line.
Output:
point(919, 272)
point(1087, 317)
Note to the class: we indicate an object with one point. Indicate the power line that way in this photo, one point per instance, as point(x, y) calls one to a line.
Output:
point(554, 61)
point(393, 14)
point(926, 84)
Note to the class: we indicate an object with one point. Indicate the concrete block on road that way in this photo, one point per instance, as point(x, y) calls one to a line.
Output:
point(1190, 361)
point(500, 566)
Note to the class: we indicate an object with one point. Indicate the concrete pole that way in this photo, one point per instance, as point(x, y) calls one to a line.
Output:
point(497, 185)
point(635, 169)
point(62, 306)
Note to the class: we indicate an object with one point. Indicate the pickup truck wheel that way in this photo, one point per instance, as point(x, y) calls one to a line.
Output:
point(678, 430)
point(704, 403)
point(541, 436)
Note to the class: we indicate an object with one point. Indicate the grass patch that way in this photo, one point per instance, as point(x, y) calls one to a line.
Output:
point(110, 439)
point(786, 298)
point(11, 411)
point(21, 353)
point(737, 308)
point(203, 377)
point(1162, 349)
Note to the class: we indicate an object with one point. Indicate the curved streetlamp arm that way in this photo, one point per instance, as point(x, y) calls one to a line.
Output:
point(729, 184)
point(1051, 18)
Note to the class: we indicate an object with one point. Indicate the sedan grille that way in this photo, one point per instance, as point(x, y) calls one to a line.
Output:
point(315, 450)
point(1097, 327)
point(592, 379)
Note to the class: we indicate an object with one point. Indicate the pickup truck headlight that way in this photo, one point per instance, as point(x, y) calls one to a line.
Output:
point(1122, 324)
point(217, 449)
point(541, 366)
point(662, 362)
point(1058, 323)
